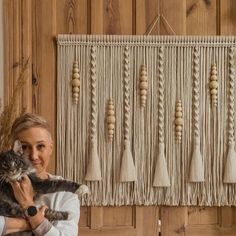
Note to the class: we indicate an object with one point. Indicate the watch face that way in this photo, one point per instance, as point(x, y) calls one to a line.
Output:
point(32, 211)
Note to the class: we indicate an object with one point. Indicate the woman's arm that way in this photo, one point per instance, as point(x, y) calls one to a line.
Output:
point(11, 225)
point(65, 201)
point(24, 195)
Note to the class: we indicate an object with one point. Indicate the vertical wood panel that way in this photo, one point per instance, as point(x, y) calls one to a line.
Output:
point(146, 13)
point(202, 215)
point(27, 52)
point(96, 217)
point(44, 60)
point(226, 217)
point(8, 50)
point(173, 221)
point(227, 17)
point(97, 17)
point(201, 17)
point(18, 48)
point(118, 17)
point(174, 11)
point(71, 17)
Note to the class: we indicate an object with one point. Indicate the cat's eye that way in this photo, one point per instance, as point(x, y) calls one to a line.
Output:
point(24, 147)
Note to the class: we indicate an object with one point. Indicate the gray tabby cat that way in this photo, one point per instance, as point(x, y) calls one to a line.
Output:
point(13, 166)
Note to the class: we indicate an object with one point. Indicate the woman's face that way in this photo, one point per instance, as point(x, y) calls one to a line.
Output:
point(37, 145)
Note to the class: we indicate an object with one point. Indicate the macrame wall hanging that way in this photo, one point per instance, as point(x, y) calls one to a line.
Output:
point(148, 120)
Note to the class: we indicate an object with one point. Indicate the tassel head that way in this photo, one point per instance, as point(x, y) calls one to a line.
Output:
point(196, 173)
point(127, 171)
point(161, 176)
point(230, 166)
point(93, 170)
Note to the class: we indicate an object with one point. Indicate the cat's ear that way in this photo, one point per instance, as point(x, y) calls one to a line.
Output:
point(17, 147)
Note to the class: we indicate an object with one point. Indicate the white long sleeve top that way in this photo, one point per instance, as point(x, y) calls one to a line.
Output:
point(61, 201)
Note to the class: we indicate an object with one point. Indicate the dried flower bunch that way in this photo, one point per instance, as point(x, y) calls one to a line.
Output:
point(11, 111)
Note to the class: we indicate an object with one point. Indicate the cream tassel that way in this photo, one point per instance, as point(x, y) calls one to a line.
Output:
point(230, 166)
point(93, 169)
point(127, 172)
point(196, 173)
point(230, 173)
point(161, 177)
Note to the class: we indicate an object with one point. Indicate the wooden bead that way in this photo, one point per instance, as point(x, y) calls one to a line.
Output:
point(75, 70)
point(143, 85)
point(179, 109)
point(143, 92)
point(214, 91)
point(111, 119)
point(75, 82)
point(213, 84)
point(110, 131)
point(214, 77)
point(111, 112)
point(75, 89)
point(110, 126)
point(75, 95)
point(76, 76)
point(178, 114)
point(179, 121)
point(178, 128)
point(110, 107)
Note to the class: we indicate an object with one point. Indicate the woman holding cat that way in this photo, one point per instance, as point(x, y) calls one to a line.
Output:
point(35, 137)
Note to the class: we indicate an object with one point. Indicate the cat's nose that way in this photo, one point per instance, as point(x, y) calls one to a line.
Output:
point(11, 172)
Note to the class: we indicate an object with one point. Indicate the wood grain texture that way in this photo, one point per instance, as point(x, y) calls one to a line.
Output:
point(201, 17)
point(120, 221)
point(18, 41)
point(71, 17)
point(146, 14)
point(30, 30)
point(174, 221)
point(227, 21)
point(44, 64)
point(174, 13)
point(97, 17)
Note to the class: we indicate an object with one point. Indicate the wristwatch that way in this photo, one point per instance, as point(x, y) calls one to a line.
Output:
point(31, 211)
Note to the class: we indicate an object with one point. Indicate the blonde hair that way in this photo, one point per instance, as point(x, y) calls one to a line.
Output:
point(27, 121)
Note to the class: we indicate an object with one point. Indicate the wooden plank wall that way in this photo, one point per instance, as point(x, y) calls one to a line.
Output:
point(30, 30)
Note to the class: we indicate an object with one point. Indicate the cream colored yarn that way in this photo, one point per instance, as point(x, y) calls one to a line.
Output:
point(187, 63)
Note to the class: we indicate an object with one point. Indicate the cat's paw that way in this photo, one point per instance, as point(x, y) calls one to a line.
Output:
point(82, 190)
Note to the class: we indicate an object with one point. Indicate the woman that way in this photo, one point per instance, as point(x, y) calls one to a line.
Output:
point(35, 137)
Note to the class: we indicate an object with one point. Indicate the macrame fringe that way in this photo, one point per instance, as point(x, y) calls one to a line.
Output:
point(145, 130)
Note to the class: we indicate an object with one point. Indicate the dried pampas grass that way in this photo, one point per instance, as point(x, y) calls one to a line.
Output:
point(11, 112)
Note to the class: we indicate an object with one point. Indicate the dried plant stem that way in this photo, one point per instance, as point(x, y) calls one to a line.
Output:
point(11, 111)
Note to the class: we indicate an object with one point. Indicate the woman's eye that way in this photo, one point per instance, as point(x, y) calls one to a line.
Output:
point(40, 146)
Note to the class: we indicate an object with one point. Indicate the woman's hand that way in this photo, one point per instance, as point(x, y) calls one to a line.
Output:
point(23, 192)
point(16, 225)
